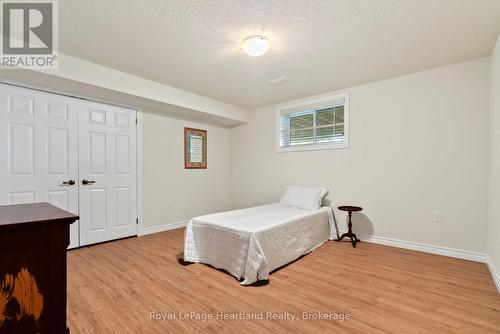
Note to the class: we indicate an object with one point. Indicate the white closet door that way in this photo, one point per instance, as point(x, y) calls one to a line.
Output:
point(107, 164)
point(39, 150)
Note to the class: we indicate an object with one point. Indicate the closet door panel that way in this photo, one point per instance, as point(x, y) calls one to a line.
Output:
point(107, 149)
point(39, 149)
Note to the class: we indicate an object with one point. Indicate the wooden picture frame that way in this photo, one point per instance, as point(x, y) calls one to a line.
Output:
point(195, 148)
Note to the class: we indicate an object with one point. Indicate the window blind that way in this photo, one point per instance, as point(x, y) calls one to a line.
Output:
point(314, 124)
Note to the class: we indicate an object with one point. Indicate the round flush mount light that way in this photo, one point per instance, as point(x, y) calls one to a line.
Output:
point(255, 46)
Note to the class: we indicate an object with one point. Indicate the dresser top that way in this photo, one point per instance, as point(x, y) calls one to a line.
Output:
point(36, 214)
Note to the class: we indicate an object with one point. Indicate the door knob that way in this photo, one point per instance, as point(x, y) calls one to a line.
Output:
point(69, 183)
point(85, 182)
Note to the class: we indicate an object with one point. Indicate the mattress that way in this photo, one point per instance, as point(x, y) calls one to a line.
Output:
point(250, 243)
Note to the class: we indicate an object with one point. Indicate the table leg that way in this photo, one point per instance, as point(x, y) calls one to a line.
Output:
point(349, 234)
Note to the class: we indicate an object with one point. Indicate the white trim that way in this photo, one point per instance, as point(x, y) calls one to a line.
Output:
point(314, 147)
point(140, 214)
point(161, 228)
point(439, 250)
point(494, 274)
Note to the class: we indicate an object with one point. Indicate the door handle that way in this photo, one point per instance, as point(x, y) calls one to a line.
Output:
point(85, 182)
point(69, 183)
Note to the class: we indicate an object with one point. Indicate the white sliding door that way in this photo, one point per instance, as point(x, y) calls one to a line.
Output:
point(107, 168)
point(39, 150)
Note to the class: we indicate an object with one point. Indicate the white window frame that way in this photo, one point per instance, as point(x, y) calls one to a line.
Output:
point(307, 105)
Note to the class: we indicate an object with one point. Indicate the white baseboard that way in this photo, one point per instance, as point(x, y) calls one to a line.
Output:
point(439, 250)
point(161, 228)
point(494, 274)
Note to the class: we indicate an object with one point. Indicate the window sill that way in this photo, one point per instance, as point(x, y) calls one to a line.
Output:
point(312, 148)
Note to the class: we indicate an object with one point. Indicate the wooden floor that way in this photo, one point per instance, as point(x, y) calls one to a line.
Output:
point(113, 287)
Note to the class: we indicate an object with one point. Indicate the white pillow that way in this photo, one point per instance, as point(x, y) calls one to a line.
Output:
point(309, 198)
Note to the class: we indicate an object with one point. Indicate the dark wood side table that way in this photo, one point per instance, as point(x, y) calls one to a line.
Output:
point(33, 242)
point(349, 234)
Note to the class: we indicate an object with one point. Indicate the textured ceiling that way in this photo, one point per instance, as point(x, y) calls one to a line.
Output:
point(319, 45)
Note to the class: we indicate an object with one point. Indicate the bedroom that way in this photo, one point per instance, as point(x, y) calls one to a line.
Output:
point(151, 122)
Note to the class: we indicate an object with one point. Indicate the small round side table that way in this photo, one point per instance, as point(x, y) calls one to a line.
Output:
point(350, 209)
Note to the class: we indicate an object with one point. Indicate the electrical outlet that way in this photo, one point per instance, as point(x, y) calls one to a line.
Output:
point(437, 217)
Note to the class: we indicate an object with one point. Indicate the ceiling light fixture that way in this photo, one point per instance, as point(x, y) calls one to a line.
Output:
point(255, 46)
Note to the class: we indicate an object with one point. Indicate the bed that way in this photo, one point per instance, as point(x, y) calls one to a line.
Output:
point(250, 243)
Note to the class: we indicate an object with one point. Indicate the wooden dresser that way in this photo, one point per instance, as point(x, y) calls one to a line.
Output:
point(33, 242)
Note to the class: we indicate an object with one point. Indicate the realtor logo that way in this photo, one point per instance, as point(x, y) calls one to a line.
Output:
point(29, 34)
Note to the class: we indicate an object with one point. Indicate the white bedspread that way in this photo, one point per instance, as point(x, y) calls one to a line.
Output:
point(250, 243)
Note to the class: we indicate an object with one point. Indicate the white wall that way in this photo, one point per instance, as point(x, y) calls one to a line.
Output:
point(418, 143)
point(171, 193)
point(494, 163)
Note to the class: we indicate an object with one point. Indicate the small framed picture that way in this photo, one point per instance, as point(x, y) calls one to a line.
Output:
point(195, 148)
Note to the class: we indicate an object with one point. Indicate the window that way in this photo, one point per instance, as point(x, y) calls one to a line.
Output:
point(313, 125)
